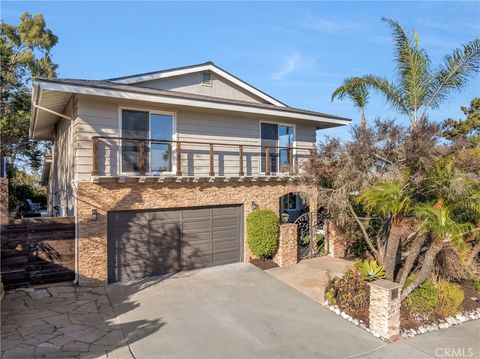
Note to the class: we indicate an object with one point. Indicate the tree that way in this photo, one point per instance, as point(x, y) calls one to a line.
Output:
point(465, 133)
point(25, 54)
point(438, 223)
point(379, 184)
point(391, 200)
point(354, 89)
point(417, 88)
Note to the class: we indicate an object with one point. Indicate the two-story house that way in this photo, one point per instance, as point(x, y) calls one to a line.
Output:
point(161, 168)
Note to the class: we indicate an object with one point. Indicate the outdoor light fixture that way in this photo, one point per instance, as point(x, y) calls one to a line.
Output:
point(285, 217)
point(94, 214)
point(254, 205)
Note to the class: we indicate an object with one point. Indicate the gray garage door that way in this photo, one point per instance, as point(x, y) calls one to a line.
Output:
point(146, 243)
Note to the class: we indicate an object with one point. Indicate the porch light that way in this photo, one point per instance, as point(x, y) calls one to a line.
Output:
point(94, 214)
point(285, 217)
point(254, 205)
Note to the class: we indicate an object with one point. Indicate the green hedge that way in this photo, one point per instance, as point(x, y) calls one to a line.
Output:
point(450, 298)
point(422, 300)
point(262, 233)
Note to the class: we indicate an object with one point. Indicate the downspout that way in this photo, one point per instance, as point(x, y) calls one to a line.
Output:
point(75, 213)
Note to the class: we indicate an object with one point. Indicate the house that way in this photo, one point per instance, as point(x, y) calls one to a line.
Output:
point(160, 169)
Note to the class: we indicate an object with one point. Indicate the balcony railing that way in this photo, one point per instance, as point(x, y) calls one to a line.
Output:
point(137, 156)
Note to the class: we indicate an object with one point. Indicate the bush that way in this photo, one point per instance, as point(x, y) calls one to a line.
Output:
point(262, 233)
point(330, 296)
point(422, 300)
point(350, 292)
point(370, 270)
point(476, 285)
point(450, 298)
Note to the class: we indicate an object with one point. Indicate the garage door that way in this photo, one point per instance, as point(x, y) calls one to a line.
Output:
point(146, 243)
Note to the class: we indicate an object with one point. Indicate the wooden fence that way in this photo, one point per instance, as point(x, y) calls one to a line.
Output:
point(37, 250)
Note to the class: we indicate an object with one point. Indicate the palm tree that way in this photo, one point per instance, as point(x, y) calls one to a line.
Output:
point(439, 225)
point(417, 88)
point(391, 200)
point(357, 92)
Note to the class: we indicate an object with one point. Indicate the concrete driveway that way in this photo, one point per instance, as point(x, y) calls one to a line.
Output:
point(232, 311)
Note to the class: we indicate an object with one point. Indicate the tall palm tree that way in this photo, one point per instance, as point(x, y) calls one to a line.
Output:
point(357, 92)
point(391, 200)
point(438, 223)
point(417, 88)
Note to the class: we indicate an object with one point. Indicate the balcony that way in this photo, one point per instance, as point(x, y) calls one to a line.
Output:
point(124, 158)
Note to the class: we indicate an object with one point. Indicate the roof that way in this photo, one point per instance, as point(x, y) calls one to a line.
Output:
point(50, 97)
point(206, 66)
point(104, 84)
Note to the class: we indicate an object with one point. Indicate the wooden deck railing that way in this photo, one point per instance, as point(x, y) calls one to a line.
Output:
point(212, 146)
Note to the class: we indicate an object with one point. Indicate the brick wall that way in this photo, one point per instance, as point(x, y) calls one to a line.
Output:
point(287, 253)
point(4, 201)
point(109, 196)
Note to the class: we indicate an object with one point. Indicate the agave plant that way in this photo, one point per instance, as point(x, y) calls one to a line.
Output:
point(370, 270)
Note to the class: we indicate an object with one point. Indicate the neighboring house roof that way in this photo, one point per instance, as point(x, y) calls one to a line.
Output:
point(50, 97)
point(207, 66)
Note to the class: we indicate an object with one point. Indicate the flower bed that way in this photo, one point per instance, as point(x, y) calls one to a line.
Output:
point(432, 306)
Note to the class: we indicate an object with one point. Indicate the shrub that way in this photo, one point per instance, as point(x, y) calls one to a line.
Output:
point(370, 270)
point(330, 296)
point(450, 298)
point(350, 292)
point(422, 300)
point(262, 232)
point(476, 285)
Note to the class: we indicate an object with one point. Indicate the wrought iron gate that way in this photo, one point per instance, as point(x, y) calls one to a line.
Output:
point(312, 225)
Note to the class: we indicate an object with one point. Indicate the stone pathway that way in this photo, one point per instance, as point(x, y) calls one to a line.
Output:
point(60, 322)
point(310, 276)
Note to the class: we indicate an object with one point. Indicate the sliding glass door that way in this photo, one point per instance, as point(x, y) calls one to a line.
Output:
point(146, 125)
point(275, 136)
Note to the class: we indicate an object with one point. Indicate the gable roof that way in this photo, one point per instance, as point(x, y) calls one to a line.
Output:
point(206, 66)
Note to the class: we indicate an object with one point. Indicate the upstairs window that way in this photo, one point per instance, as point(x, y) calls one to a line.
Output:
point(146, 125)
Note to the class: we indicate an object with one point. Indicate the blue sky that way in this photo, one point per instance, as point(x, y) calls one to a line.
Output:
point(297, 52)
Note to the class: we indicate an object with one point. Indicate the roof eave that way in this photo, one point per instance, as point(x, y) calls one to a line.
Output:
point(288, 112)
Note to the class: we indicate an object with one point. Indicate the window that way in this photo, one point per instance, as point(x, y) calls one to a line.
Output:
point(146, 125)
point(290, 202)
point(274, 136)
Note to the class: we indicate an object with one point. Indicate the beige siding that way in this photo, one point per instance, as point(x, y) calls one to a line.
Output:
point(60, 184)
point(100, 117)
point(192, 83)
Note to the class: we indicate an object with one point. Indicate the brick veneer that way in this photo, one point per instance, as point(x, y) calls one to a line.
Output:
point(92, 235)
point(384, 308)
point(287, 253)
point(337, 240)
point(4, 218)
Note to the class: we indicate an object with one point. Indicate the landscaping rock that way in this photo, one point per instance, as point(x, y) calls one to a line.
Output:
point(451, 320)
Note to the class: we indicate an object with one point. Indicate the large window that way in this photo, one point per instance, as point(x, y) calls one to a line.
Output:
point(146, 125)
point(278, 138)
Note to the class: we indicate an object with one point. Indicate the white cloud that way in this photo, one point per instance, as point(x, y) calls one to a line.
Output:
point(327, 25)
point(293, 62)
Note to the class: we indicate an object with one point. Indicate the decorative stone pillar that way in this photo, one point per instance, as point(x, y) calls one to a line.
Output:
point(287, 253)
point(336, 240)
point(384, 309)
point(4, 219)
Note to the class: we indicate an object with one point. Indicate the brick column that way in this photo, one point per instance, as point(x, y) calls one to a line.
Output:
point(287, 253)
point(384, 309)
point(337, 240)
point(4, 201)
